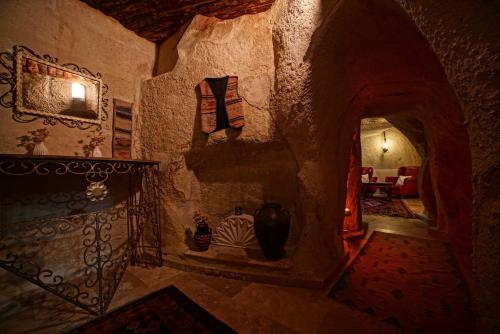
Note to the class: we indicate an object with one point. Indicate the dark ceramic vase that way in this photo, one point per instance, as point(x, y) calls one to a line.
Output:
point(272, 224)
point(202, 237)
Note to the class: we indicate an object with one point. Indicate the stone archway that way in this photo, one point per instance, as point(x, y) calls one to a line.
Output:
point(449, 159)
point(464, 36)
point(356, 62)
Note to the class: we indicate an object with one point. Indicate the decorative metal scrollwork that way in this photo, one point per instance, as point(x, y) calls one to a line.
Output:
point(8, 98)
point(93, 170)
point(8, 78)
point(102, 243)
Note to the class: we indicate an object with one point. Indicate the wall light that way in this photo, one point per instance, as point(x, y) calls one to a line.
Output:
point(385, 146)
point(77, 91)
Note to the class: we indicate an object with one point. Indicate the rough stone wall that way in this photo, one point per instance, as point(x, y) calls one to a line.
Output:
point(275, 156)
point(401, 151)
point(327, 70)
point(465, 37)
point(353, 200)
point(322, 168)
point(214, 173)
point(167, 51)
point(413, 129)
point(337, 62)
point(364, 66)
point(74, 33)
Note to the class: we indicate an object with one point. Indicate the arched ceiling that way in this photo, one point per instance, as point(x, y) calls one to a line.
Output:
point(156, 20)
point(375, 124)
point(378, 52)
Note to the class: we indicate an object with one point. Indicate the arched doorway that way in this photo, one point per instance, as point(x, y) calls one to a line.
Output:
point(447, 188)
point(370, 60)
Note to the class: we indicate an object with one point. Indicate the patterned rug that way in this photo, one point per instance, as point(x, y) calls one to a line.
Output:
point(394, 208)
point(165, 311)
point(409, 282)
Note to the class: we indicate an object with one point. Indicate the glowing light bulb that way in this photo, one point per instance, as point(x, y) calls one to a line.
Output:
point(385, 147)
point(77, 91)
point(347, 212)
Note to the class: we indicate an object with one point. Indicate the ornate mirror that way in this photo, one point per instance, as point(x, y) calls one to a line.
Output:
point(67, 93)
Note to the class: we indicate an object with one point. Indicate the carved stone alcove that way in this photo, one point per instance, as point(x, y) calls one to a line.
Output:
point(40, 87)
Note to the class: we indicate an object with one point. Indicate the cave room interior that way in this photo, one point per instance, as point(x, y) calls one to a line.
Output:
point(249, 166)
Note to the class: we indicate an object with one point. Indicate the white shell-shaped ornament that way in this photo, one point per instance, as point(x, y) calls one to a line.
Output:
point(235, 231)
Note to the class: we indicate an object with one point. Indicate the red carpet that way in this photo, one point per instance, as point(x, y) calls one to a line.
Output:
point(394, 208)
point(165, 311)
point(411, 283)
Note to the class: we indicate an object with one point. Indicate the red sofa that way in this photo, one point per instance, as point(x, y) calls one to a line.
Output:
point(409, 187)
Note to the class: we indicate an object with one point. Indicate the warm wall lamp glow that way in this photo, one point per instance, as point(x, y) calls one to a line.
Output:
point(385, 146)
point(77, 91)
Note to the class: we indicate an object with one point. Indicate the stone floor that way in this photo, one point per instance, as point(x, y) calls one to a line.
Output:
point(415, 205)
point(245, 306)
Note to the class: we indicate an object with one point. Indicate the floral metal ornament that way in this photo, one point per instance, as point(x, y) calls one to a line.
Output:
point(96, 191)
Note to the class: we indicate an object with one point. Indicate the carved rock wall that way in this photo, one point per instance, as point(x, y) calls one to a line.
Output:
point(217, 172)
point(326, 70)
point(74, 33)
point(401, 151)
point(465, 37)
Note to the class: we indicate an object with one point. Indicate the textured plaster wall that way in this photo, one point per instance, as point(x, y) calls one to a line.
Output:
point(465, 37)
point(401, 151)
point(74, 32)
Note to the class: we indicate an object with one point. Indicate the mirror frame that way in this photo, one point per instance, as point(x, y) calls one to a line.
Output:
point(12, 61)
point(20, 108)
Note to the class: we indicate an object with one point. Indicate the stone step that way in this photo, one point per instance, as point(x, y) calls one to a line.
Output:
point(241, 272)
point(239, 256)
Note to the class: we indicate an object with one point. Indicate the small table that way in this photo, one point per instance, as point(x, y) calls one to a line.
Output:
point(385, 186)
point(100, 214)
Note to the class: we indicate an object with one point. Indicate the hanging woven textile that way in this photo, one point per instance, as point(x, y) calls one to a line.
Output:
point(221, 105)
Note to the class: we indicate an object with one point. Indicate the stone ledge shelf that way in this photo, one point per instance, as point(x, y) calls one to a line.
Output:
point(248, 273)
point(239, 256)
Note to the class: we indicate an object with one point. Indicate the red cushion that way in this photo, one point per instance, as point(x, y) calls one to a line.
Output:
point(408, 170)
point(367, 170)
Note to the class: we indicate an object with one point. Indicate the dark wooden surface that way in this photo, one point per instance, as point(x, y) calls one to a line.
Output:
point(156, 20)
point(378, 183)
point(385, 186)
